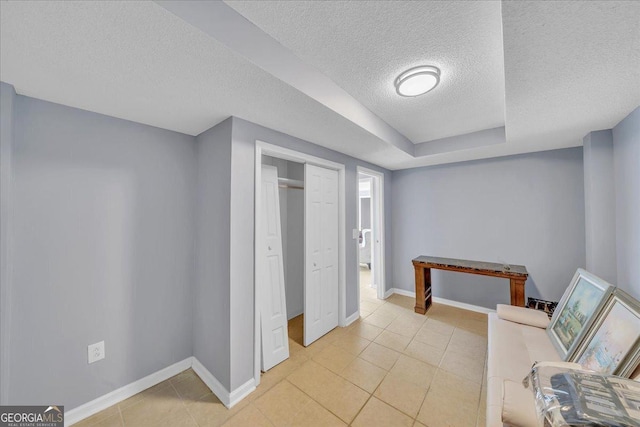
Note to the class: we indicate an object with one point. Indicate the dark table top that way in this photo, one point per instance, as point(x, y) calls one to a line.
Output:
point(511, 269)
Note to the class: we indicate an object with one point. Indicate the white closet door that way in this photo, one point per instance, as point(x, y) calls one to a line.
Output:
point(273, 307)
point(321, 252)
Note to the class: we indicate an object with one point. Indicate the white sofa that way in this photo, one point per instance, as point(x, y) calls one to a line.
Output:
point(514, 345)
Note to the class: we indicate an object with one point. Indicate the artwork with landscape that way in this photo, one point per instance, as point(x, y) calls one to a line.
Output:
point(577, 311)
point(611, 345)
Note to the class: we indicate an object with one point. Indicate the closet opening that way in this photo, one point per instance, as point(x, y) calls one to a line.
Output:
point(299, 252)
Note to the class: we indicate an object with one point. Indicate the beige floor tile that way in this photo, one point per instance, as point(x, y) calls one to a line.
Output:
point(377, 413)
point(191, 389)
point(414, 371)
point(249, 416)
point(163, 387)
point(156, 407)
point(111, 421)
point(403, 301)
point(342, 398)
point(455, 388)
point(440, 411)
point(314, 415)
point(334, 358)
point(181, 419)
point(365, 330)
point(476, 326)
point(392, 340)
point(433, 338)
point(188, 374)
point(401, 394)
point(311, 377)
point(210, 412)
point(381, 320)
point(419, 424)
point(390, 310)
point(439, 326)
point(368, 306)
point(351, 343)
point(466, 366)
point(266, 383)
point(364, 374)
point(110, 412)
point(282, 403)
point(404, 326)
point(364, 314)
point(424, 352)
point(380, 356)
point(466, 340)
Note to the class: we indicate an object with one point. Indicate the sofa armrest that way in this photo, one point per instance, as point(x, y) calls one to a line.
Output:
point(523, 315)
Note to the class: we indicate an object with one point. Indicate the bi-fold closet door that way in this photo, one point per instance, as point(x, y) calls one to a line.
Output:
point(273, 306)
point(321, 262)
point(321, 252)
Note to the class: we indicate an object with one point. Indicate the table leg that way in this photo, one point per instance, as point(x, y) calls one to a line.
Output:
point(423, 282)
point(517, 292)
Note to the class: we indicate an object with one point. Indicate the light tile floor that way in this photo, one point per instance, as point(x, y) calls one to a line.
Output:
point(392, 367)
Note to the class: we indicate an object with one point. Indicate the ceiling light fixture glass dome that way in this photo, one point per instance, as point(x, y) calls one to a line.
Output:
point(417, 80)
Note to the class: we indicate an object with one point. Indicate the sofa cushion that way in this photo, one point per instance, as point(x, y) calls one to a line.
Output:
point(525, 316)
point(513, 348)
point(518, 405)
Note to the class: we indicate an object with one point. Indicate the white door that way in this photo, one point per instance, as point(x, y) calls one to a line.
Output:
point(273, 307)
point(321, 252)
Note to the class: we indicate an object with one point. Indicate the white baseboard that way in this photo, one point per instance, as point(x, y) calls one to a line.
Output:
point(463, 305)
point(349, 320)
point(241, 392)
point(439, 300)
point(398, 291)
point(103, 402)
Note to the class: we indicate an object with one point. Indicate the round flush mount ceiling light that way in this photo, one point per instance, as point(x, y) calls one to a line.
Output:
point(417, 80)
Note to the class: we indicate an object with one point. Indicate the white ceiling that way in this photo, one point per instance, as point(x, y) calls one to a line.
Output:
point(560, 70)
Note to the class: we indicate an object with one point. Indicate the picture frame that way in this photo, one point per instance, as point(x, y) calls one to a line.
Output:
point(612, 344)
point(576, 311)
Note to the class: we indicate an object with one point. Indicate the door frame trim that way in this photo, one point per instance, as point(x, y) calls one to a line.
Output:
point(378, 252)
point(277, 151)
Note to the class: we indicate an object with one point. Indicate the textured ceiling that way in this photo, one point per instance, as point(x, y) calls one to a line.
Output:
point(135, 60)
point(364, 45)
point(517, 77)
point(571, 67)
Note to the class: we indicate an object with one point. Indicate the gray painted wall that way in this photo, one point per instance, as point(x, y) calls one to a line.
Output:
point(600, 201)
point(242, 244)
point(104, 232)
point(212, 293)
point(626, 155)
point(7, 105)
point(526, 209)
point(244, 136)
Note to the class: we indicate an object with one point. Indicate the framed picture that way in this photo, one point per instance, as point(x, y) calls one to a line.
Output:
point(576, 311)
point(612, 345)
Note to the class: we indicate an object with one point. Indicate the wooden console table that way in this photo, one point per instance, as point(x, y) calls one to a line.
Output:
point(517, 275)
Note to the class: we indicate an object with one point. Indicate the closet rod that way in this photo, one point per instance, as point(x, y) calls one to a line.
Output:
point(297, 187)
point(290, 183)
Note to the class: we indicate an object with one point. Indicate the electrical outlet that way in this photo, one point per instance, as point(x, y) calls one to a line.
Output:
point(95, 352)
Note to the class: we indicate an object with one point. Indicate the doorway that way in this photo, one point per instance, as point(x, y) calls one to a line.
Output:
point(371, 236)
point(322, 185)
